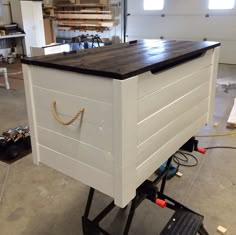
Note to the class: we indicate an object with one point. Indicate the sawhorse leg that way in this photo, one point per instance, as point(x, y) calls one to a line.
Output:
point(4, 71)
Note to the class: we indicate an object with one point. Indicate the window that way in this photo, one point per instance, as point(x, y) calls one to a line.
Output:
point(221, 4)
point(153, 4)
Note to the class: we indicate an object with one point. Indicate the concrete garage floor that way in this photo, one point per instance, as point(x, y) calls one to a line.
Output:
point(37, 200)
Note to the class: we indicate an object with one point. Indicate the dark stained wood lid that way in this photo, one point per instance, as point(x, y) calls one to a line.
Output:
point(121, 61)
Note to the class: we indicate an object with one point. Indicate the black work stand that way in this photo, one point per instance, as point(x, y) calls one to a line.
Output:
point(183, 222)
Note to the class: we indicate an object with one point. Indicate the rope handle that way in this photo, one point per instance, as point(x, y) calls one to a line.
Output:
point(57, 118)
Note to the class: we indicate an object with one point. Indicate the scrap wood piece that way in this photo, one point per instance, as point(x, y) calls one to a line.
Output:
point(86, 23)
point(221, 230)
point(179, 174)
point(85, 11)
point(85, 16)
point(61, 28)
point(48, 6)
point(93, 5)
point(231, 123)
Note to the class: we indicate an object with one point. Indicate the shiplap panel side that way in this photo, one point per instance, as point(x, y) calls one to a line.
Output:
point(97, 113)
point(77, 170)
point(160, 156)
point(155, 142)
point(149, 83)
point(72, 148)
point(93, 16)
point(158, 120)
point(98, 136)
point(87, 86)
point(165, 96)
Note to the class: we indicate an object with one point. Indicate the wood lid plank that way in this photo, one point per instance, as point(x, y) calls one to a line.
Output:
point(124, 60)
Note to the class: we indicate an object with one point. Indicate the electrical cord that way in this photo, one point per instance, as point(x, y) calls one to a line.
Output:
point(184, 159)
point(181, 159)
point(220, 147)
point(216, 135)
point(184, 162)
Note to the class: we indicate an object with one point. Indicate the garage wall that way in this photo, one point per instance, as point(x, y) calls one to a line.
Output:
point(0, 8)
point(5, 17)
point(190, 20)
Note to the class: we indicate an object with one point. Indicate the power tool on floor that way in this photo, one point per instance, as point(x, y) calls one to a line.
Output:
point(13, 141)
point(190, 146)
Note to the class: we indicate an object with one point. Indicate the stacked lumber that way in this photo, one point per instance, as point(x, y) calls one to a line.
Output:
point(64, 1)
point(105, 2)
point(48, 11)
point(83, 16)
point(89, 16)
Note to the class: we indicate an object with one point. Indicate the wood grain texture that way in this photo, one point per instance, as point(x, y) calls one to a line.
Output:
point(84, 16)
point(85, 23)
point(85, 11)
point(125, 60)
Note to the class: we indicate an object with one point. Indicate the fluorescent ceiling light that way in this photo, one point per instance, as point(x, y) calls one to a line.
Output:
point(153, 4)
point(221, 4)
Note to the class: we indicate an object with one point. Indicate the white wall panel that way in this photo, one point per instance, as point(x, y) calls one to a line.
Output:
point(5, 17)
point(0, 8)
point(228, 52)
point(185, 20)
point(185, 7)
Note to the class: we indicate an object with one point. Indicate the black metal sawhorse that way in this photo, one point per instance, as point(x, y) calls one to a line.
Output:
point(184, 221)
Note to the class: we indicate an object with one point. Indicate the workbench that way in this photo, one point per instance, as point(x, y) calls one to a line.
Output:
point(129, 107)
point(12, 38)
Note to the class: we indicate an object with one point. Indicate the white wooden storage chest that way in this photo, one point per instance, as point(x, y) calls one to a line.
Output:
point(50, 49)
point(140, 102)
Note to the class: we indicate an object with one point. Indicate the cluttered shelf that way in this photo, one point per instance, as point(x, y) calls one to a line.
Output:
point(9, 34)
point(8, 30)
point(19, 35)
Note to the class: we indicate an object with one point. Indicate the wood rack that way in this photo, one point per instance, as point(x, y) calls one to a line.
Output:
point(90, 16)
